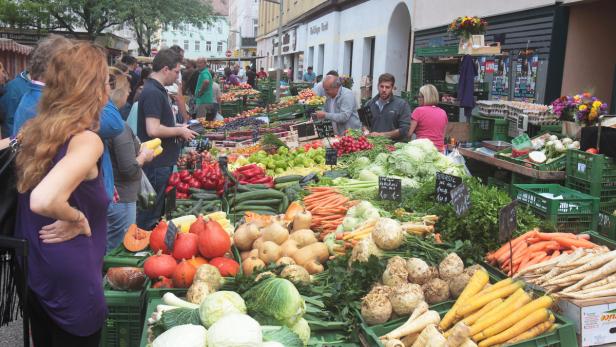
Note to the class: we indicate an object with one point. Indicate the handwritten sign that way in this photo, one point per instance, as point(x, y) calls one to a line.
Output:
point(170, 202)
point(324, 128)
point(461, 199)
point(390, 188)
point(444, 185)
point(507, 221)
point(305, 130)
point(172, 231)
point(331, 156)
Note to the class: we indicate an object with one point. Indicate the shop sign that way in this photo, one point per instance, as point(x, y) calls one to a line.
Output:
point(316, 29)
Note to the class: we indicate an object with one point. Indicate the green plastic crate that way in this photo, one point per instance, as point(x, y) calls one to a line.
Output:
point(119, 256)
point(123, 325)
point(557, 164)
point(606, 224)
point(593, 174)
point(484, 128)
point(230, 109)
point(564, 336)
point(575, 212)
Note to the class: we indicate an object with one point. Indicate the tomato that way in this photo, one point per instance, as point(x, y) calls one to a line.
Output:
point(592, 151)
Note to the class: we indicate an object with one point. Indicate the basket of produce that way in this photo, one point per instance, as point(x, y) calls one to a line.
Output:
point(544, 153)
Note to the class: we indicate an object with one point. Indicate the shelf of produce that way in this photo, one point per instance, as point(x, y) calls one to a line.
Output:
point(563, 336)
point(506, 165)
point(122, 328)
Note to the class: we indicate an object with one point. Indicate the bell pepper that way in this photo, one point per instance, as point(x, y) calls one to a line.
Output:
point(169, 188)
point(262, 180)
point(183, 187)
point(174, 179)
point(194, 183)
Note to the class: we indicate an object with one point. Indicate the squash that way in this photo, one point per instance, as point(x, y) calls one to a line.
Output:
point(251, 264)
point(196, 261)
point(185, 246)
point(227, 267)
point(157, 238)
point(159, 265)
point(269, 252)
point(302, 220)
point(275, 232)
point(183, 275)
point(245, 236)
point(197, 226)
point(294, 208)
point(244, 254)
point(126, 278)
point(258, 242)
point(288, 248)
point(136, 239)
point(303, 237)
point(163, 282)
point(214, 241)
point(317, 251)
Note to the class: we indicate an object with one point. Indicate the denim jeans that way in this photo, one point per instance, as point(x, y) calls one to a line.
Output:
point(119, 217)
point(158, 176)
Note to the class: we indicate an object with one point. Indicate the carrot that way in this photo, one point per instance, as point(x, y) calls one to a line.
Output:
point(537, 317)
point(504, 248)
point(507, 254)
point(512, 303)
point(532, 332)
point(555, 254)
point(472, 318)
point(539, 257)
point(474, 286)
point(477, 302)
point(539, 246)
point(568, 242)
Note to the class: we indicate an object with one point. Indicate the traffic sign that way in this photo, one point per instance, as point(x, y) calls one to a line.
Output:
point(228, 54)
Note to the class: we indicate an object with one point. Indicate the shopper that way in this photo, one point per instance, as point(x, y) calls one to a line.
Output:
point(340, 106)
point(429, 121)
point(156, 120)
point(262, 73)
point(217, 98)
point(204, 98)
point(309, 75)
point(62, 202)
point(131, 62)
point(3, 79)
point(132, 116)
point(127, 158)
point(251, 77)
point(13, 92)
point(391, 115)
point(318, 88)
point(231, 77)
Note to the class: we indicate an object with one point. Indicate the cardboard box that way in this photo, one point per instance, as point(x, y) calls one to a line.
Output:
point(595, 320)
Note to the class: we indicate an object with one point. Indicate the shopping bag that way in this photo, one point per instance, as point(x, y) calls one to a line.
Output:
point(146, 199)
point(458, 159)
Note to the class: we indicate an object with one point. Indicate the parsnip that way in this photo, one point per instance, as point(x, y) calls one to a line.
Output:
point(593, 289)
point(460, 333)
point(593, 295)
point(421, 308)
point(607, 280)
point(594, 263)
point(596, 275)
point(414, 326)
point(393, 343)
point(546, 264)
point(430, 337)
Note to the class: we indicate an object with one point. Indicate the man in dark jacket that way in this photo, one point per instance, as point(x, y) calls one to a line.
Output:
point(391, 115)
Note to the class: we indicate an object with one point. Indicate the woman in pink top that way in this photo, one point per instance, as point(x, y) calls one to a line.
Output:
point(429, 121)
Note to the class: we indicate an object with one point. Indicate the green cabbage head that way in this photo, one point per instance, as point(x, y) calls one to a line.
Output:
point(275, 301)
point(218, 304)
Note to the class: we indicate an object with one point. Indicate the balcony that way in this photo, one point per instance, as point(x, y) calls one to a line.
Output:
point(248, 42)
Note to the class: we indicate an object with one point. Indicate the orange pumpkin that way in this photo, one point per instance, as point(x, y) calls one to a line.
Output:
point(136, 239)
point(294, 208)
point(183, 275)
point(197, 261)
point(157, 238)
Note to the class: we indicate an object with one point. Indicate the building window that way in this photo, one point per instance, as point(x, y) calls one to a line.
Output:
point(186, 45)
point(219, 47)
point(255, 25)
point(197, 46)
point(208, 46)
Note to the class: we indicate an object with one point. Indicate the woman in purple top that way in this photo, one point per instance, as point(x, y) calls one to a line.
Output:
point(62, 207)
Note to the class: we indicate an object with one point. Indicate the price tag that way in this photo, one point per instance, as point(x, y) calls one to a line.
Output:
point(444, 185)
point(170, 202)
point(390, 188)
point(461, 199)
point(331, 156)
point(172, 230)
point(324, 128)
point(507, 221)
point(305, 130)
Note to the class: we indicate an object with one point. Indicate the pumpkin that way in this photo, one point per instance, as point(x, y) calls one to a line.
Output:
point(197, 226)
point(294, 208)
point(196, 261)
point(163, 282)
point(214, 240)
point(183, 275)
point(226, 266)
point(185, 246)
point(136, 239)
point(157, 238)
point(159, 265)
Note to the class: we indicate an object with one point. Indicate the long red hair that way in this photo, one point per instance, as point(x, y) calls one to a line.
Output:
point(74, 95)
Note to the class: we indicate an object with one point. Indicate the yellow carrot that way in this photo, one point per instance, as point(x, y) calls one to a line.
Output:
point(478, 281)
point(497, 285)
point(472, 318)
point(507, 322)
point(479, 301)
point(537, 317)
point(512, 303)
point(532, 332)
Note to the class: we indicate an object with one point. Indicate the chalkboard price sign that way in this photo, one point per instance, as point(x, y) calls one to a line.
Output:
point(461, 199)
point(331, 156)
point(444, 185)
point(324, 128)
point(507, 221)
point(390, 188)
point(170, 202)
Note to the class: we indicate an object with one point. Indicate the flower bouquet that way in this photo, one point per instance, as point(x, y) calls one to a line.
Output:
point(465, 27)
point(583, 109)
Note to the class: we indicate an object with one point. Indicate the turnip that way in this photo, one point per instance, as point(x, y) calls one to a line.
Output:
point(396, 272)
point(364, 249)
point(470, 271)
point(405, 297)
point(376, 308)
point(296, 274)
point(388, 234)
point(435, 290)
point(381, 289)
point(419, 271)
point(457, 284)
point(451, 266)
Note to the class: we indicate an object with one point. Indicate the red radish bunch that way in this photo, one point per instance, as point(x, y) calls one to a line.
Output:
point(348, 144)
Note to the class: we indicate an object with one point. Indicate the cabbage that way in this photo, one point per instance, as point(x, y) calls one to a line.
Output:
point(302, 329)
point(219, 304)
point(283, 335)
point(234, 330)
point(362, 162)
point(367, 175)
point(275, 301)
point(187, 335)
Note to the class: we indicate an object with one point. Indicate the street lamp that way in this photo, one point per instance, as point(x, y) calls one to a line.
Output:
point(279, 70)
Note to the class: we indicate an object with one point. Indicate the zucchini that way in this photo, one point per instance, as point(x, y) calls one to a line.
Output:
point(257, 209)
point(284, 204)
point(205, 196)
point(184, 202)
point(196, 207)
point(258, 195)
point(288, 178)
point(256, 186)
point(280, 186)
point(273, 203)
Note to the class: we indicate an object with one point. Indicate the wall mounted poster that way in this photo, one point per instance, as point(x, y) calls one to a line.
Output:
point(524, 88)
point(500, 81)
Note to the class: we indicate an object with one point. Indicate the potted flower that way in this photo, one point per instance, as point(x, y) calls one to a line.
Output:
point(578, 111)
point(465, 27)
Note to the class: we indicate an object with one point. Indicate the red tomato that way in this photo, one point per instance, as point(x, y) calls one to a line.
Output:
point(592, 151)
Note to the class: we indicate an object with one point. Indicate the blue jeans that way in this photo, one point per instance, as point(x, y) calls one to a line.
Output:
point(158, 176)
point(119, 217)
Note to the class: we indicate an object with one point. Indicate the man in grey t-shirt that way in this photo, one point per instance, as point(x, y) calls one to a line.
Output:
point(340, 107)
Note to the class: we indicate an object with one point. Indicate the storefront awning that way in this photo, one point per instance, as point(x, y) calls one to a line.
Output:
point(8, 45)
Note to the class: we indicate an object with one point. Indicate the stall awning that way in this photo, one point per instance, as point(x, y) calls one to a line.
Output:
point(8, 45)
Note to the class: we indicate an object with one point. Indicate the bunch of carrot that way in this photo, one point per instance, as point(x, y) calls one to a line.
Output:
point(328, 208)
point(535, 247)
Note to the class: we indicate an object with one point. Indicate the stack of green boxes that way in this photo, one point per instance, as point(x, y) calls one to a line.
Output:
point(231, 109)
point(485, 128)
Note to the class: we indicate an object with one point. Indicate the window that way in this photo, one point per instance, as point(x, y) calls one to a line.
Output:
point(186, 45)
point(219, 47)
point(208, 46)
point(347, 67)
point(255, 25)
point(175, 42)
point(197, 46)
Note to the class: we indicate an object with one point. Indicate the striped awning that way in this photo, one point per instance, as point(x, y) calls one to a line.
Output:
point(8, 45)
